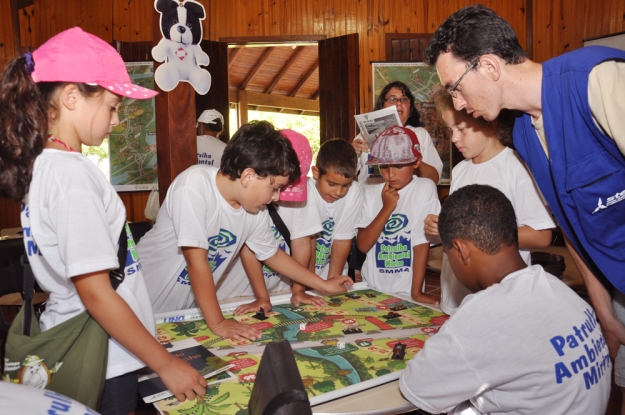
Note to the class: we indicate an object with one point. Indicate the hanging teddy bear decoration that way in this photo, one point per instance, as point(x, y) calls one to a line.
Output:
point(179, 49)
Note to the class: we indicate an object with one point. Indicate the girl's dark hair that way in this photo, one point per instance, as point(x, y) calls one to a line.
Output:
point(413, 118)
point(259, 146)
point(26, 109)
point(23, 127)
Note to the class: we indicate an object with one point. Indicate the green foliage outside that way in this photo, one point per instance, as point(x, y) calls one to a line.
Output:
point(307, 125)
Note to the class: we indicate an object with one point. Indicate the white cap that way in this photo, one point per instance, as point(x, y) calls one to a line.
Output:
point(209, 117)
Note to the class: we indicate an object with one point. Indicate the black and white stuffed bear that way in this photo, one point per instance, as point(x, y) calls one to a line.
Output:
point(179, 49)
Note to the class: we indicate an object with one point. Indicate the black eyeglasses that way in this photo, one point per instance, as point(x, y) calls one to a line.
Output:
point(393, 100)
point(452, 89)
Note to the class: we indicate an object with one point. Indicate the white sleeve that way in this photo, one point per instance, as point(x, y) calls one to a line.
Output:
point(440, 376)
point(346, 217)
point(188, 207)
point(607, 107)
point(528, 205)
point(428, 203)
point(428, 150)
point(261, 241)
point(366, 209)
point(306, 220)
point(84, 235)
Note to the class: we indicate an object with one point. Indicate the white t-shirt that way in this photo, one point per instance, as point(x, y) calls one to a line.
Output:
point(370, 175)
point(338, 221)
point(195, 214)
point(26, 400)
point(301, 219)
point(388, 266)
point(507, 173)
point(528, 345)
point(209, 150)
point(72, 218)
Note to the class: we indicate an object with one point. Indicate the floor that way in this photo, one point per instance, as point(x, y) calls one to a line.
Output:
point(432, 286)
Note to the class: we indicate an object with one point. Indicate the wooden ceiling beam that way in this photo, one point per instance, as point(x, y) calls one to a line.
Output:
point(315, 95)
point(256, 67)
point(276, 101)
point(232, 56)
point(286, 67)
point(304, 79)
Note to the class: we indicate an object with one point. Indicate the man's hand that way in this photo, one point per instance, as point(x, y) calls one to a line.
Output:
point(254, 306)
point(234, 330)
point(301, 297)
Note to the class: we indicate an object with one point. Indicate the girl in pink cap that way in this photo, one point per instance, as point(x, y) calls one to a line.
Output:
point(65, 95)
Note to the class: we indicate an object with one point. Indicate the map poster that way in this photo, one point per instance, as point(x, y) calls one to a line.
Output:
point(423, 82)
point(132, 144)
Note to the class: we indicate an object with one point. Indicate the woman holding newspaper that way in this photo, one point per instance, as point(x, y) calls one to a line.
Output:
point(397, 94)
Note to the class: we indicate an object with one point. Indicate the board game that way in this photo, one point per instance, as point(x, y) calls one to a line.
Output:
point(356, 341)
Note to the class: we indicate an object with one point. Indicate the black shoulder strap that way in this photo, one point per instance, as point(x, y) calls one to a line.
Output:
point(29, 288)
point(277, 220)
point(117, 275)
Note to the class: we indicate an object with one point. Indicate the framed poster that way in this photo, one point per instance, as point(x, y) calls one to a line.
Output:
point(132, 144)
point(423, 82)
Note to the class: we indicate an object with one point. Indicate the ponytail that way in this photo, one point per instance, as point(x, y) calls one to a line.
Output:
point(23, 127)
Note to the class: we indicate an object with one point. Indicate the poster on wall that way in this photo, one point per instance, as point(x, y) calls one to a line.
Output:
point(422, 80)
point(132, 144)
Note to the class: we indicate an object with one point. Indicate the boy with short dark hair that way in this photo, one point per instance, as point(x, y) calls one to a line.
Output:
point(206, 218)
point(338, 200)
point(523, 342)
point(391, 224)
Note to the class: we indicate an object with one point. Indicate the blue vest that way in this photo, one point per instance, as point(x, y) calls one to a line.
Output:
point(584, 179)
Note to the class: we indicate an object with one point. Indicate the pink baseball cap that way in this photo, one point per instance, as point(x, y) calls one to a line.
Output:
point(297, 192)
point(77, 56)
point(395, 145)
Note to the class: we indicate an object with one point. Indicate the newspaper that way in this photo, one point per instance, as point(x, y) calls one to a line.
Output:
point(373, 123)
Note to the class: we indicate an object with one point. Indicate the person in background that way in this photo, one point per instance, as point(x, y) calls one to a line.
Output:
point(63, 96)
point(522, 343)
point(489, 161)
point(391, 225)
point(210, 125)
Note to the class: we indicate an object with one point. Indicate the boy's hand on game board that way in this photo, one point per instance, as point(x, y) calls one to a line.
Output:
point(336, 284)
point(431, 225)
point(234, 330)
point(253, 307)
point(390, 197)
point(427, 298)
point(301, 297)
point(181, 379)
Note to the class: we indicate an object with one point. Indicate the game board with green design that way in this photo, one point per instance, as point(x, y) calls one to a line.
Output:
point(340, 348)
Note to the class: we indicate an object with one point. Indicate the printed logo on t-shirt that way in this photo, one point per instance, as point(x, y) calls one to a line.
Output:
point(31, 246)
point(268, 272)
point(591, 360)
point(205, 158)
point(217, 253)
point(324, 244)
point(132, 259)
point(373, 171)
point(393, 251)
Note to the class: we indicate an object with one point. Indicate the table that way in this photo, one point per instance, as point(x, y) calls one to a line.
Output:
point(361, 378)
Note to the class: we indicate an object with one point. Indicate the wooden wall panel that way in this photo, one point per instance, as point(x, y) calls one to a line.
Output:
point(7, 46)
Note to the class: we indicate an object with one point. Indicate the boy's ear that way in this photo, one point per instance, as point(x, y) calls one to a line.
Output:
point(247, 176)
point(462, 249)
point(417, 163)
point(315, 172)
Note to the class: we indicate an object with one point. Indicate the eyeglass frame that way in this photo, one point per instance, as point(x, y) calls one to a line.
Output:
point(403, 100)
point(452, 90)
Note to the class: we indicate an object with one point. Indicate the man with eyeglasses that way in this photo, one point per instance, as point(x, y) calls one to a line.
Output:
point(570, 131)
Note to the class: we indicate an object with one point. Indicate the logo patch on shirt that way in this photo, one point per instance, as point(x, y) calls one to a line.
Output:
point(612, 200)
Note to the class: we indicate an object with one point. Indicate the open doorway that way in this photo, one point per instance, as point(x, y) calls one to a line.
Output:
point(277, 80)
